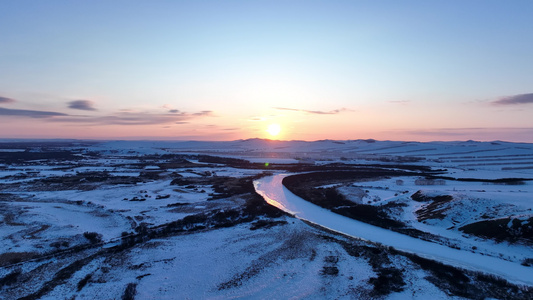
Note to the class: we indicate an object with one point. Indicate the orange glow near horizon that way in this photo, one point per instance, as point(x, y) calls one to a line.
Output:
point(271, 124)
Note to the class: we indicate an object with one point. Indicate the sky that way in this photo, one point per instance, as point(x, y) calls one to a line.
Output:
point(228, 70)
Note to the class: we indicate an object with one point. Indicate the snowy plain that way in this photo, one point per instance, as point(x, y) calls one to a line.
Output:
point(120, 188)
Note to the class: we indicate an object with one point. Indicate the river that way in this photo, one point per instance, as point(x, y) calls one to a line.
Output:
point(273, 191)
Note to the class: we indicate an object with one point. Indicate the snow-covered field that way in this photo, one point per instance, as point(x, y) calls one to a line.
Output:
point(177, 220)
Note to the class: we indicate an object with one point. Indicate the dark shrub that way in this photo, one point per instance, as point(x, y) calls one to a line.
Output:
point(129, 293)
point(332, 271)
point(93, 237)
point(84, 281)
point(388, 280)
point(10, 278)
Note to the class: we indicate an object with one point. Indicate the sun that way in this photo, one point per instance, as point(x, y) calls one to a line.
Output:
point(273, 129)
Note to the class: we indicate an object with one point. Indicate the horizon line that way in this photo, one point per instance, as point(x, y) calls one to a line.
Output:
point(141, 139)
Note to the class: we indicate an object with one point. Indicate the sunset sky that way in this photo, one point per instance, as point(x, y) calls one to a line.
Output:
point(226, 70)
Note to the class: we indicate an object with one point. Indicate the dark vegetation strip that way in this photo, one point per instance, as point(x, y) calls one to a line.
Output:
point(501, 159)
point(506, 163)
point(518, 168)
point(60, 277)
point(29, 144)
point(244, 164)
point(509, 181)
point(503, 156)
point(17, 157)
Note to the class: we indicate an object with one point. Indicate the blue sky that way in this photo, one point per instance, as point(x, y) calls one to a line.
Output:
point(417, 70)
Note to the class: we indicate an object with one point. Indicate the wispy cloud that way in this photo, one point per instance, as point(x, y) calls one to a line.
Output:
point(203, 113)
point(82, 105)
point(316, 112)
point(5, 100)
point(256, 119)
point(121, 117)
point(29, 113)
point(135, 118)
point(515, 99)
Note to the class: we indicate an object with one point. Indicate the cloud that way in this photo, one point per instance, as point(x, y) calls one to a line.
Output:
point(82, 105)
point(127, 117)
point(316, 112)
point(170, 108)
point(256, 119)
point(516, 99)
point(4, 100)
point(121, 117)
point(203, 113)
point(29, 113)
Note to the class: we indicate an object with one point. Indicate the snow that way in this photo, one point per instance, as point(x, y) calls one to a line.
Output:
point(484, 157)
point(152, 210)
point(193, 265)
point(277, 195)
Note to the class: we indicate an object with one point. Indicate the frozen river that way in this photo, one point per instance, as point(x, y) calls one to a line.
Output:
point(272, 190)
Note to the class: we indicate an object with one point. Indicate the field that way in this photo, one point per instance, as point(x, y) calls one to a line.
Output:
point(167, 220)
